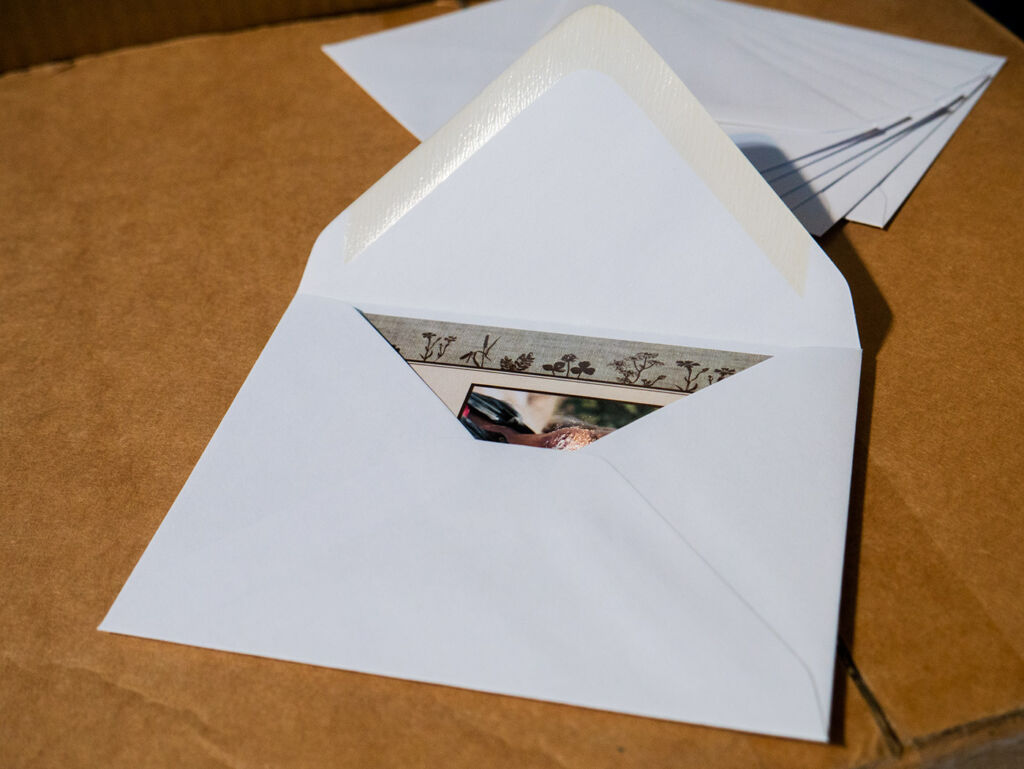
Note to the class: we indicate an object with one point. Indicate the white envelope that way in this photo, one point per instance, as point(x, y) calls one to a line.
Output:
point(749, 66)
point(687, 566)
point(881, 204)
point(784, 87)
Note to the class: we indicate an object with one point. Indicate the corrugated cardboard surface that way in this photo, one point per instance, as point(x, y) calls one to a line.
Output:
point(36, 31)
point(158, 207)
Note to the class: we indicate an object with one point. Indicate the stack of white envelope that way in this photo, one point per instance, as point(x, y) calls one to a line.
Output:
point(843, 122)
point(686, 566)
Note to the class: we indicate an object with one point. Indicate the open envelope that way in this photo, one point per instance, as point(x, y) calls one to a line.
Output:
point(687, 566)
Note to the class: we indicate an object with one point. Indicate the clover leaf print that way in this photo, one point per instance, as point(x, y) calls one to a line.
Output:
point(582, 368)
point(564, 367)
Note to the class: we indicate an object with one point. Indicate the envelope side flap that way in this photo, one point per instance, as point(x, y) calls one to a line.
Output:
point(757, 481)
point(333, 524)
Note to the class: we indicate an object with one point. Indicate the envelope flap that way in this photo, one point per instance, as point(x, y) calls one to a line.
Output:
point(757, 481)
point(587, 187)
point(337, 524)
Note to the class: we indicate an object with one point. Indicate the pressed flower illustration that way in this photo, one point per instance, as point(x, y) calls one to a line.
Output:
point(692, 381)
point(631, 369)
point(435, 345)
point(482, 354)
point(519, 364)
point(564, 356)
point(559, 366)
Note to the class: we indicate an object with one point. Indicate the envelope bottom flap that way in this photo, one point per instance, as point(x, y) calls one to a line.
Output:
point(331, 529)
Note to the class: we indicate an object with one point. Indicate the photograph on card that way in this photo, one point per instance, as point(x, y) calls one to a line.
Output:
point(544, 419)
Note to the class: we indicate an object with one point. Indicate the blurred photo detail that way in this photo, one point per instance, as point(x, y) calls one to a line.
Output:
point(544, 420)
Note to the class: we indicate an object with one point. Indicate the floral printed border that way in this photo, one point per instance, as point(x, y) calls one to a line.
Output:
point(543, 354)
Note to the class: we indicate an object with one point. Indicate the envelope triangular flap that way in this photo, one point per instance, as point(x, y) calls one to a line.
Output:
point(359, 527)
point(608, 199)
point(757, 482)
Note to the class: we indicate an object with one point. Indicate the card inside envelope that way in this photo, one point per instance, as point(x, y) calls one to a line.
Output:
point(686, 566)
point(546, 390)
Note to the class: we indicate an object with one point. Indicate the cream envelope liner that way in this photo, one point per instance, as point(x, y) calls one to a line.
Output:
point(685, 567)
